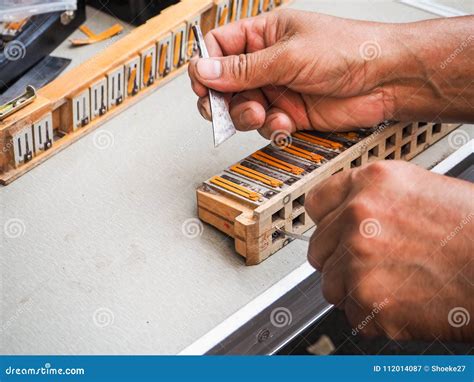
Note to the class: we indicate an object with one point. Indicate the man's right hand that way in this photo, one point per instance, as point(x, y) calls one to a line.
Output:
point(291, 70)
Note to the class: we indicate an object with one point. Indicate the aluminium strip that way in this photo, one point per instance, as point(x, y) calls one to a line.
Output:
point(250, 311)
point(455, 158)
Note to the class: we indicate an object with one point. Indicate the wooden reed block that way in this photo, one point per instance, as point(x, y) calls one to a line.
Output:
point(254, 227)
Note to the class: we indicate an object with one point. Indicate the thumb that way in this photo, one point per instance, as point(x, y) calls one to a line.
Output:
point(243, 72)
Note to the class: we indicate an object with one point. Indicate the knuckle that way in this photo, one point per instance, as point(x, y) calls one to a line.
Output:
point(239, 67)
point(328, 291)
point(365, 293)
point(376, 169)
point(358, 209)
point(314, 262)
point(361, 248)
point(312, 195)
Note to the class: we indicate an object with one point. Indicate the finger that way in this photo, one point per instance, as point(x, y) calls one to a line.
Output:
point(328, 195)
point(357, 317)
point(277, 121)
point(247, 110)
point(333, 276)
point(199, 89)
point(243, 72)
point(340, 114)
point(289, 101)
point(325, 240)
point(204, 108)
point(233, 39)
point(243, 36)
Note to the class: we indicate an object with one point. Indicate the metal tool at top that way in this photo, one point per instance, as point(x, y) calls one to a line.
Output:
point(18, 102)
point(222, 124)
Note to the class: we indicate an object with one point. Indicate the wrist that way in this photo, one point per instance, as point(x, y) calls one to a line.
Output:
point(425, 68)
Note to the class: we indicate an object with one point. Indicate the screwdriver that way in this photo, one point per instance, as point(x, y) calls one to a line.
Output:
point(294, 235)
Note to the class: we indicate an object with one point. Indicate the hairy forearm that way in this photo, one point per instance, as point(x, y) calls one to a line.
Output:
point(429, 72)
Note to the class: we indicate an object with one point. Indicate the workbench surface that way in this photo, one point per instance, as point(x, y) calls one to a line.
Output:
point(100, 263)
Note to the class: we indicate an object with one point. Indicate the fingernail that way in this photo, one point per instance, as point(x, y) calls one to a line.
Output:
point(204, 109)
point(209, 69)
point(201, 111)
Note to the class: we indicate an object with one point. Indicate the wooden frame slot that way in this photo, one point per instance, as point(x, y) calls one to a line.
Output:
point(245, 8)
point(235, 10)
point(23, 145)
point(148, 69)
point(222, 14)
point(43, 133)
point(407, 131)
point(421, 139)
point(298, 221)
point(373, 152)
point(165, 56)
point(81, 109)
point(179, 46)
point(132, 77)
point(191, 47)
point(356, 162)
point(115, 87)
point(406, 148)
point(278, 216)
point(298, 202)
point(99, 99)
point(256, 8)
point(390, 142)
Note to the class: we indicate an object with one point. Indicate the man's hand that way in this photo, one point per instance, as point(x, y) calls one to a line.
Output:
point(394, 244)
point(298, 73)
point(291, 70)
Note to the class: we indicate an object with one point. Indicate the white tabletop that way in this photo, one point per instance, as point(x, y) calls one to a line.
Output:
point(93, 257)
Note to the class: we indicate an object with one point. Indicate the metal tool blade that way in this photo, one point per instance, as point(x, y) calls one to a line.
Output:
point(222, 124)
point(294, 235)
